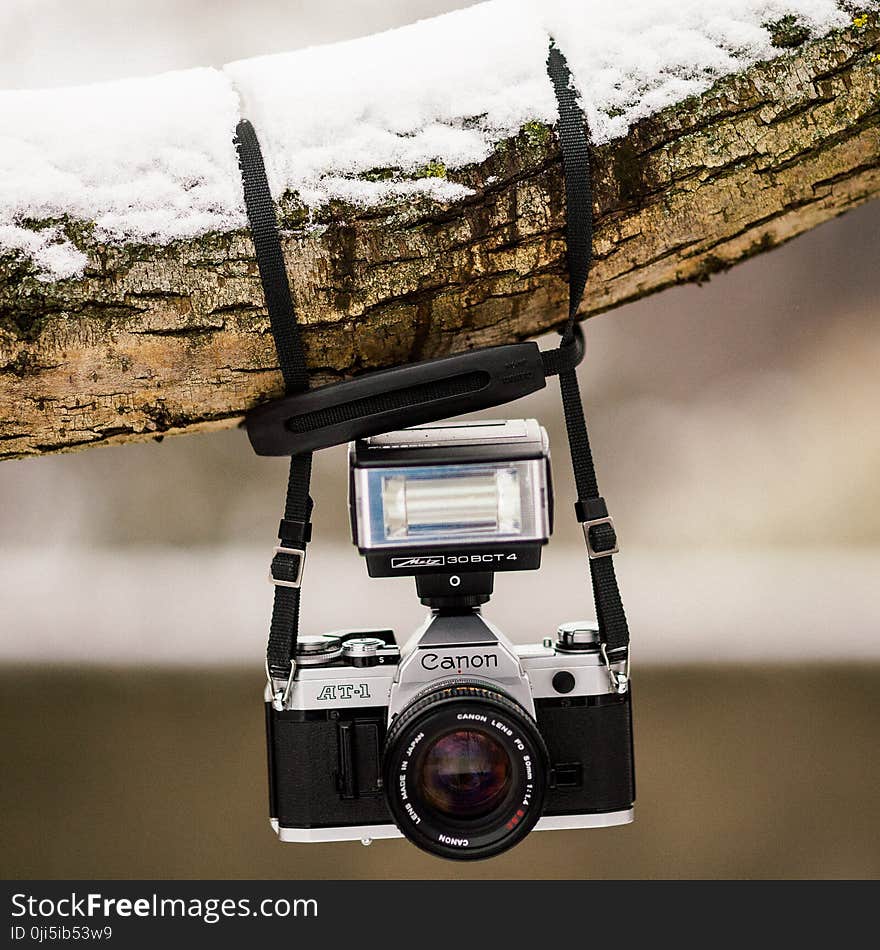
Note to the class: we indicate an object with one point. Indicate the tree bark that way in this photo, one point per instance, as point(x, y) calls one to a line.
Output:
point(156, 340)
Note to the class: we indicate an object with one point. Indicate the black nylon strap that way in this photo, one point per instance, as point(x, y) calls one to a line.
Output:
point(295, 528)
point(270, 259)
point(287, 568)
point(572, 131)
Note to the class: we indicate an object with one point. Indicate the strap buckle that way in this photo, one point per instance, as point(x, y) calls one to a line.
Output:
point(619, 678)
point(280, 695)
point(592, 552)
point(296, 579)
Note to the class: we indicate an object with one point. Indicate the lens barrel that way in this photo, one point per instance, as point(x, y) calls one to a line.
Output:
point(465, 772)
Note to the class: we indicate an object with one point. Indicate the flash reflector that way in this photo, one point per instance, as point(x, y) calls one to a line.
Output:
point(460, 503)
point(437, 503)
point(448, 489)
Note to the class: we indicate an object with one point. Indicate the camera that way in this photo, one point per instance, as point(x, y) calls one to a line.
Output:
point(457, 740)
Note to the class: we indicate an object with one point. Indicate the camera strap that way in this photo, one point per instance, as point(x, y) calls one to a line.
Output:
point(429, 391)
point(295, 529)
point(590, 509)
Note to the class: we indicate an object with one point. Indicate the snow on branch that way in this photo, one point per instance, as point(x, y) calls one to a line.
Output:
point(384, 118)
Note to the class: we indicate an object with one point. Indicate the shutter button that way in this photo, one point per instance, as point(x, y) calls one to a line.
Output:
point(578, 636)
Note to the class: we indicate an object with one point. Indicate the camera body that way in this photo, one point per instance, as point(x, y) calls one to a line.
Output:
point(340, 768)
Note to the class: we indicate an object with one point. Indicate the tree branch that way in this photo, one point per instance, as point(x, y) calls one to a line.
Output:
point(154, 340)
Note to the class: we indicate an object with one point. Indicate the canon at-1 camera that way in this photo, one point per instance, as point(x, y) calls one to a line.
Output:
point(458, 740)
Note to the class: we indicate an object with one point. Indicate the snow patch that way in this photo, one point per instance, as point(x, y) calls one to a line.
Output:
point(631, 60)
point(153, 159)
point(55, 256)
point(143, 159)
point(446, 89)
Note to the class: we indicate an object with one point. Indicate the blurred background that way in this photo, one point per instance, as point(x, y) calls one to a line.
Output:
point(737, 438)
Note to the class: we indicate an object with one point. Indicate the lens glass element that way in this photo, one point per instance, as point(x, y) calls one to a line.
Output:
point(465, 774)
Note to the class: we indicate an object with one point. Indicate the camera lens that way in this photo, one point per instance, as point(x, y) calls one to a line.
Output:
point(465, 772)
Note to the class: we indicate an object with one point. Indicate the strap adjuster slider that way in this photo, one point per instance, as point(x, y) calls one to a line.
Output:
point(287, 581)
point(592, 551)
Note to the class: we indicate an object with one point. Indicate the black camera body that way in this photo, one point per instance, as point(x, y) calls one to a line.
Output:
point(350, 754)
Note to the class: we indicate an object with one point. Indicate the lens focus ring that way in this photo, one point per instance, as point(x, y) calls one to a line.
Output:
point(465, 772)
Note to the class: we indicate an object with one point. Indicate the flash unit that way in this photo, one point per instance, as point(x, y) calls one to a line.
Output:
point(452, 498)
